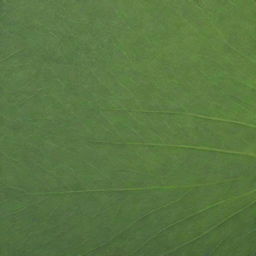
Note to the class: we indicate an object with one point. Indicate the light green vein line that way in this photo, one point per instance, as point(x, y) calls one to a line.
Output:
point(135, 222)
point(192, 216)
point(205, 117)
point(228, 218)
point(11, 55)
point(152, 188)
point(178, 146)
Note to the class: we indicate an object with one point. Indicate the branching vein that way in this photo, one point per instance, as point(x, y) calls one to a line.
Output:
point(194, 115)
point(178, 146)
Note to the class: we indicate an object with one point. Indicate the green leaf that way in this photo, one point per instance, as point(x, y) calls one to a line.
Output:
point(128, 128)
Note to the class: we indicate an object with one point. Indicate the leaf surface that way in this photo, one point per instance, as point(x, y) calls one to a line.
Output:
point(129, 128)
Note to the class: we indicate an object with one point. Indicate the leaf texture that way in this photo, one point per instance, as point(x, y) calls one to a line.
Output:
point(128, 128)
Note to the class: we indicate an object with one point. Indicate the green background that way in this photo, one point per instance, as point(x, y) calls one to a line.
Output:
point(128, 128)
